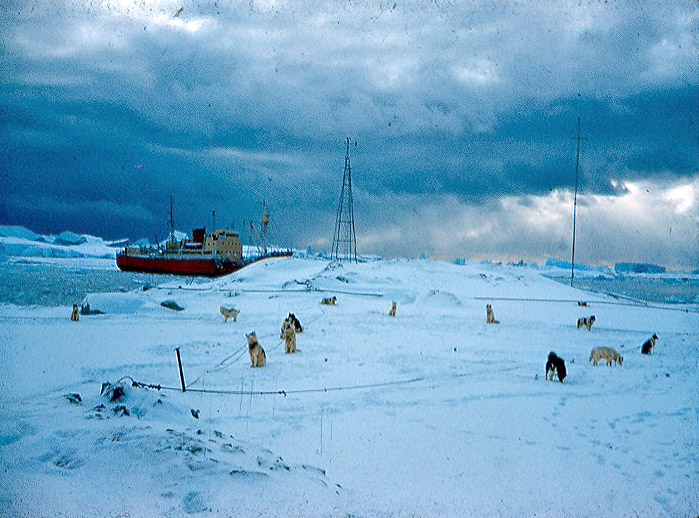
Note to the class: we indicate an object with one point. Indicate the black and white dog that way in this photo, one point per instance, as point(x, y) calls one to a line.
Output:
point(648, 345)
point(587, 322)
point(555, 365)
point(293, 322)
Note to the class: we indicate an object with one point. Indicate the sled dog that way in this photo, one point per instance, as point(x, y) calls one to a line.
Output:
point(289, 339)
point(331, 301)
point(489, 315)
point(392, 311)
point(257, 353)
point(586, 321)
point(605, 353)
point(555, 365)
point(229, 312)
point(75, 315)
point(647, 347)
point(294, 322)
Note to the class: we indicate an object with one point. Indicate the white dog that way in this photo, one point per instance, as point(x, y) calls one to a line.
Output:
point(605, 353)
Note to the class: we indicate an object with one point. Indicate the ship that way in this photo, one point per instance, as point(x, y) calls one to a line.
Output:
point(218, 253)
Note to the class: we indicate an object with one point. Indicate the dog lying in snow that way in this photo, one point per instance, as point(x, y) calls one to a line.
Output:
point(392, 311)
point(586, 321)
point(289, 338)
point(647, 347)
point(555, 365)
point(257, 353)
point(75, 315)
point(229, 312)
point(294, 322)
point(331, 301)
point(605, 353)
point(489, 315)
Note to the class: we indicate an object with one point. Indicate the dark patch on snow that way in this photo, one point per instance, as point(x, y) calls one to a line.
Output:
point(171, 304)
point(74, 398)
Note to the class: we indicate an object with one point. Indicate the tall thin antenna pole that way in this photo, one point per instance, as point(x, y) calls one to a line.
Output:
point(575, 201)
point(344, 237)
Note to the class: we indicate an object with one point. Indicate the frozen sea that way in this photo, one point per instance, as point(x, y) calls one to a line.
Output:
point(60, 282)
point(670, 289)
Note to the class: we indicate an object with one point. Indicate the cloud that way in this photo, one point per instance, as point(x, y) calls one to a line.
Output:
point(228, 104)
point(650, 222)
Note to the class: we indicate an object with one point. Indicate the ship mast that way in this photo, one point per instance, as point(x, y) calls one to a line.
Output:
point(260, 239)
point(172, 224)
point(265, 222)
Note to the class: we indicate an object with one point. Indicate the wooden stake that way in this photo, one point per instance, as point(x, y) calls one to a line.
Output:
point(179, 364)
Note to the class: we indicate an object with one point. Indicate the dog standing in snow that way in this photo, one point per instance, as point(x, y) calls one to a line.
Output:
point(330, 301)
point(555, 365)
point(75, 315)
point(392, 311)
point(605, 353)
point(229, 312)
point(587, 322)
point(257, 353)
point(647, 347)
point(490, 315)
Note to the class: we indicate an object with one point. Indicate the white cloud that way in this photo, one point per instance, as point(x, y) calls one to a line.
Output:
point(477, 73)
point(654, 222)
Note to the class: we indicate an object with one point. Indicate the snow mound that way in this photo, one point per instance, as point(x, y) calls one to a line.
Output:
point(126, 438)
point(115, 303)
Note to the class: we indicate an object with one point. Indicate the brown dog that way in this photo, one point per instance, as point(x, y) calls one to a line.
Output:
point(587, 322)
point(229, 312)
point(289, 338)
point(489, 315)
point(257, 353)
point(330, 301)
point(392, 312)
point(75, 315)
point(605, 353)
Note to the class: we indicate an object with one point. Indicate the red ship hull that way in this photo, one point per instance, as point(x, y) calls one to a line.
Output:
point(184, 266)
point(174, 265)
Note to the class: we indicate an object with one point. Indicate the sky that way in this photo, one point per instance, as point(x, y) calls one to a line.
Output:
point(462, 118)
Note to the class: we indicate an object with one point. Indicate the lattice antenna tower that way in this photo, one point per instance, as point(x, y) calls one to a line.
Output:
point(344, 238)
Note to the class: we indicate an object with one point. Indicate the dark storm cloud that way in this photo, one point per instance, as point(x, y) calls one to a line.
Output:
point(120, 104)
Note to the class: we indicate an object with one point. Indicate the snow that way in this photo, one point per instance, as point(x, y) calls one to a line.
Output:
point(429, 413)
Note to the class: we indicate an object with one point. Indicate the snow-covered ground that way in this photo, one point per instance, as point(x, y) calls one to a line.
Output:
point(432, 412)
